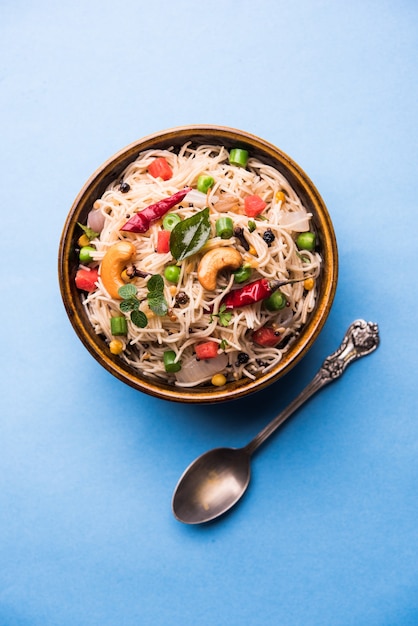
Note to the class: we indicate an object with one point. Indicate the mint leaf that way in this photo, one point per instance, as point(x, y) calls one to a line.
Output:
point(89, 232)
point(223, 316)
point(157, 304)
point(190, 235)
point(129, 300)
point(156, 301)
point(127, 291)
point(156, 284)
point(139, 319)
point(131, 304)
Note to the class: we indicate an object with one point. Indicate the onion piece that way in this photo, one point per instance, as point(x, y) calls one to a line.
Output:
point(226, 203)
point(296, 220)
point(197, 198)
point(284, 317)
point(194, 370)
point(96, 220)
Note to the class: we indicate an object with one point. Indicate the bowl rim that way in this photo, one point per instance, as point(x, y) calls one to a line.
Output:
point(107, 172)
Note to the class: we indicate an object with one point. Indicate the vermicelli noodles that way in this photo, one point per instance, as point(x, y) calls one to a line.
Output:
point(266, 241)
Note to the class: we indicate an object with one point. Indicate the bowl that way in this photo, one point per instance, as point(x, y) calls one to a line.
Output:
point(110, 171)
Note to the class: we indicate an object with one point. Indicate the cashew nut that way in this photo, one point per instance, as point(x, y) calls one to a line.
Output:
point(213, 262)
point(113, 263)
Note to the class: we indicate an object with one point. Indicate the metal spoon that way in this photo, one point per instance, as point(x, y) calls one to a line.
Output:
point(215, 481)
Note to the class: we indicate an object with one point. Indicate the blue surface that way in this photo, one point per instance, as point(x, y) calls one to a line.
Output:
point(327, 533)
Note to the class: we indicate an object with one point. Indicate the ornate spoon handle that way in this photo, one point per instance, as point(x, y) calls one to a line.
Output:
point(361, 339)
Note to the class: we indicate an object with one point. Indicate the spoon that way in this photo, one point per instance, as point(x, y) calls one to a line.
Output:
point(217, 479)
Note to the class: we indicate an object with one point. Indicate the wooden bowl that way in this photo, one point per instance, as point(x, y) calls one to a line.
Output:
point(110, 171)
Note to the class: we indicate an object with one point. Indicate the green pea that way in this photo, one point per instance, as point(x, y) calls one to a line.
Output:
point(170, 220)
point(85, 254)
point(172, 273)
point(169, 362)
point(242, 274)
point(204, 183)
point(306, 241)
point(276, 301)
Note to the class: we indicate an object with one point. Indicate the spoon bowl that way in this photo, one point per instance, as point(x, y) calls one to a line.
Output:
point(212, 484)
point(217, 479)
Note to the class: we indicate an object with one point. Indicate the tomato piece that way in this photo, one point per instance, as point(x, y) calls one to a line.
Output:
point(266, 337)
point(254, 205)
point(159, 168)
point(163, 241)
point(206, 350)
point(86, 279)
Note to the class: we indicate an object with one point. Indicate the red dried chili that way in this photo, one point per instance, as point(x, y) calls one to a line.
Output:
point(140, 222)
point(254, 292)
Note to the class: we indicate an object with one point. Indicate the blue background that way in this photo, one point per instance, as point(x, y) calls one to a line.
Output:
point(327, 533)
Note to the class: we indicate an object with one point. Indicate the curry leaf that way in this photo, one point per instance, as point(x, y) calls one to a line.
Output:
point(189, 235)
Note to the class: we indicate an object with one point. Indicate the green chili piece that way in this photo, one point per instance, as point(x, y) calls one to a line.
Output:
point(118, 326)
point(224, 227)
point(239, 157)
point(170, 220)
